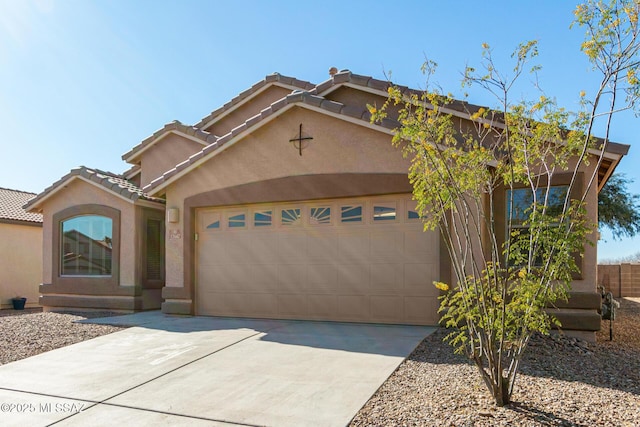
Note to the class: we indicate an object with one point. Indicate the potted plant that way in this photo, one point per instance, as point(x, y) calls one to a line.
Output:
point(18, 303)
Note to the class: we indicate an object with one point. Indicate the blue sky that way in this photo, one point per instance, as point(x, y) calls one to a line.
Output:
point(81, 82)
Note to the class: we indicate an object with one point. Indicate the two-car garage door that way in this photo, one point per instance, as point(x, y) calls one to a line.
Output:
point(361, 260)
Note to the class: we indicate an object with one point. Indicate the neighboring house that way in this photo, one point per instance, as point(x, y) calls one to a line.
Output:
point(286, 202)
point(20, 249)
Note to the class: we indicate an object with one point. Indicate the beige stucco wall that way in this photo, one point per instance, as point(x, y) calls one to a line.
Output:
point(337, 147)
point(239, 115)
point(588, 283)
point(79, 192)
point(20, 263)
point(164, 155)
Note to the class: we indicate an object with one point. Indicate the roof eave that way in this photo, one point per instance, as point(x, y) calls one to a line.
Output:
point(158, 185)
point(133, 156)
point(36, 204)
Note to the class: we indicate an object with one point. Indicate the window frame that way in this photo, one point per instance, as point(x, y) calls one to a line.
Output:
point(500, 208)
point(83, 244)
point(517, 223)
point(83, 280)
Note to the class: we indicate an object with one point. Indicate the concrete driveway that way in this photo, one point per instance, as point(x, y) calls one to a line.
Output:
point(205, 371)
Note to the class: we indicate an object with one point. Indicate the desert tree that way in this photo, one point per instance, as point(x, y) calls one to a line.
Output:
point(618, 208)
point(526, 167)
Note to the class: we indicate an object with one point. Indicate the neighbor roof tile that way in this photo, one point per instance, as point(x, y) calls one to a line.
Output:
point(11, 202)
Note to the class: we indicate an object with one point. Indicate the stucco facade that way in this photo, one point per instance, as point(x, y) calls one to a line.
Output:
point(282, 146)
point(20, 266)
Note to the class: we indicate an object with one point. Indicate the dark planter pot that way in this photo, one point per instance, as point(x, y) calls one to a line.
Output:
point(18, 303)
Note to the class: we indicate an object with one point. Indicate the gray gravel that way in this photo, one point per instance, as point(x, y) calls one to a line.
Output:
point(562, 382)
point(30, 332)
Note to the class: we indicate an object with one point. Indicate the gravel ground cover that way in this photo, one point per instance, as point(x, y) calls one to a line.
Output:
point(30, 332)
point(562, 382)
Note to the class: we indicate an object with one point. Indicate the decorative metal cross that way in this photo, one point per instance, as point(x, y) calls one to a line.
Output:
point(299, 140)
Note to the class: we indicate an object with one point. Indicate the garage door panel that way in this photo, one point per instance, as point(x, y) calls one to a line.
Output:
point(354, 269)
point(353, 246)
point(354, 308)
point(322, 278)
point(263, 249)
point(292, 247)
point(322, 307)
point(421, 244)
point(353, 279)
point(265, 277)
point(421, 309)
point(419, 278)
point(292, 278)
point(293, 305)
point(387, 308)
point(227, 304)
point(321, 248)
point(211, 251)
point(386, 278)
point(387, 246)
point(261, 305)
point(224, 277)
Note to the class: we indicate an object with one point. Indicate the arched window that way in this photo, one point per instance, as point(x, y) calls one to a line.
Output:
point(87, 246)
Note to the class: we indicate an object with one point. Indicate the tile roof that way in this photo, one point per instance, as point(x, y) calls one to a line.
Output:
point(346, 77)
point(206, 137)
point(112, 182)
point(174, 126)
point(307, 95)
point(463, 108)
point(11, 202)
point(300, 98)
point(272, 78)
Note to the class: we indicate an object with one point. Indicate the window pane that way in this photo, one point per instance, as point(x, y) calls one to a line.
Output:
point(86, 246)
point(412, 215)
point(523, 200)
point(351, 214)
point(215, 221)
point(321, 215)
point(384, 213)
point(237, 221)
point(290, 216)
point(262, 218)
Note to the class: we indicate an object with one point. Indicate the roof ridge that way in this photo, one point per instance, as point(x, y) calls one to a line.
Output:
point(269, 78)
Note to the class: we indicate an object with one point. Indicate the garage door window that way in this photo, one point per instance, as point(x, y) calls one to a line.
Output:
point(351, 213)
point(214, 222)
point(384, 212)
point(321, 215)
point(291, 216)
point(262, 218)
point(412, 211)
point(237, 220)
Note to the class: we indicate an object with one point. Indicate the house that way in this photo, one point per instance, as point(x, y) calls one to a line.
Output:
point(286, 202)
point(20, 249)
